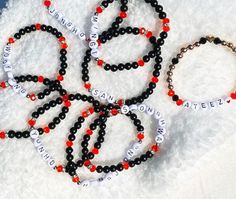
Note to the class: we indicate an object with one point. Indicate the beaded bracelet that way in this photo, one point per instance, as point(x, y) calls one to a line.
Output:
point(7, 52)
point(127, 162)
point(134, 100)
point(93, 36)
point(145, 59)
point(219, 102)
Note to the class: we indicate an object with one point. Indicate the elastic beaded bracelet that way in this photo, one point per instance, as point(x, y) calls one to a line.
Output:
point(134, 100)
point(219, 102)
point(141, 61)
point(131, 153)
point(8, 48)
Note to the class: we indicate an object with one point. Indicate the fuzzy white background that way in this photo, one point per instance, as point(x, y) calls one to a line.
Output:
point(198, 160)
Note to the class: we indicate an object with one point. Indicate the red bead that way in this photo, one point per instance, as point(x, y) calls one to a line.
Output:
point(166, 20)
point(38, 26)
point(114, 112)
point(47, 3)
point(40, 79)
point(69, 143)
point(123, 15)
point(75, 179)
point(65, 98)
point(89, 132)
point(125, 165)
point(99, 9)
point(62, 39)
point(100, 62)
point(171, 93)
point(95, 151)
point(59, 168)
point(31, 122)
point(142, 30)
point(87, 85)
point(46, 129)
point(120, 102)
point(3, 84)
point(60, 78)
point(93, 168)
point(155, 148)
point(85, 114)
point(149, 34)
point(67, 103)
point(233, 96)
point(140, 62)
point(32, 97)
point(64, 46)
point(99, 42)
point(91, 110)
point(179, 102)
point(11, 40)
point(140, 136)
point(2, 135)
point(155, 80)
point(166, 28)
point(87, 163)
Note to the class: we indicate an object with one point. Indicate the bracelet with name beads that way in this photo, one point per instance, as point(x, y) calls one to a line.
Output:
point(7, 66)
point(188, 104)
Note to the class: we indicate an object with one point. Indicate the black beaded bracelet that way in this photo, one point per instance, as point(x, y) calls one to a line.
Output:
point(152, 84)
point(7, 51)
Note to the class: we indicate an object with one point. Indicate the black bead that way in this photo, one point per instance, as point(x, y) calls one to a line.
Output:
point(175, 98)
point(203, 40)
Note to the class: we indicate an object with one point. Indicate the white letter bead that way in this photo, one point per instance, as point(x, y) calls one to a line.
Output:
point(130, 153)
point(52, 163)
point(93, 44)
point(85, 183)
point(110, 99)
point(94, 28)
point(16, 88)
point(94, 19)
point(7, 49)
point(124, 109)
point(136, 146)
point(12, 82)
point(150, 111)
point(63, 21)
point(116, 173)
point(204, 106)
point(75, 30)
point(161, 131)
point(58, 15)
point(69, 25)
point(220, 102)
point(103, 95)
point(162, 122)
point(37, 142)
point(95, 92)
point(82, 36)
point(52, 10)
point(7, 67)
point(187, 104)
point(159, 139)
point(95, 53)
point(133, 107)
point(142, 107)
point(41, 149)
point(94, 36)
point(10, 75)
point(23, 92)
point(6, 55)
point(46, 156)
point(34, 134)
point(195, 106)
point(157, 115)
point(212, 105)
